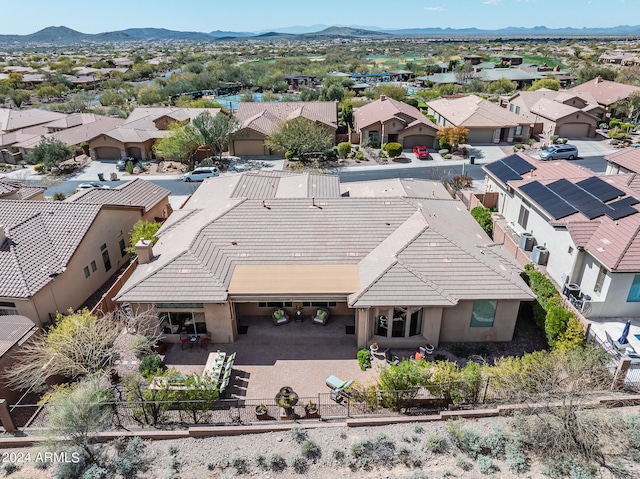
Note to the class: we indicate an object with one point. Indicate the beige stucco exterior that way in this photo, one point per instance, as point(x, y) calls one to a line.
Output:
point(139, 150)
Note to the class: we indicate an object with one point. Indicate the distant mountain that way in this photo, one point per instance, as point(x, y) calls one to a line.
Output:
point(299, 29)
point(346, 32)
point(164, 34)
point(622, 30)
point(223, 34)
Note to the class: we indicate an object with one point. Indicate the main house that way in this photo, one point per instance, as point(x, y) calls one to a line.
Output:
point(588, 225)
point(387, 120)
point(55, 255)
point(259, 120)
point(401, 258)
point(564, 113)
point(606, 92)
point(486, 121)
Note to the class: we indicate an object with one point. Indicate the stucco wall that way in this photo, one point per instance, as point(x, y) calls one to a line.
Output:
point(456, 323)
point(221, 322)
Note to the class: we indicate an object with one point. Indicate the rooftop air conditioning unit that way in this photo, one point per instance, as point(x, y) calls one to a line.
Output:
point(526, 241)
point(540, 255)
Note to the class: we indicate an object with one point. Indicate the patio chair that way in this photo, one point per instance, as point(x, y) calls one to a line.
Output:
point(206, 341)
point(617, 345)
point(280, 316)
point(321, 317)
point(390, 358)
point(338, 387)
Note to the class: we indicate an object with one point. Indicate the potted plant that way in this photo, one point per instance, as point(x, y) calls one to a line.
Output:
point(429, 348)
point(374, 348)
point(261, 411)
point(311, 410)
point(298, 317)
point(114, 377)
point(160, 346)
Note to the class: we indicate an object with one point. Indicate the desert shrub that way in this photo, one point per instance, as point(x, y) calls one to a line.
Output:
point(464, 150)
point(38, 168)
point(239, 463)
point(603, 126)
point(444, 145)
point(276, 462)
point(393, 149)
point(618, 134)
point(614, 123)
point(564, 140)
point(96, 472)
point(382, 154)
point(310, 450)
point(463, 463)
point(486, 465)
point(495, 443)
point(515, 458)
point(288, 154)
point(467, 440)
point(554, 138)
point(149, 365)
point(59, 196)
point(344, 149)
point(299, 464)
point(359, 156)
point(434, 443)
point(139, 345)
point(9, 468)
point(483, 216)
point(338, 455)
point(379, 451)
point(443, 151)
point(448, 156)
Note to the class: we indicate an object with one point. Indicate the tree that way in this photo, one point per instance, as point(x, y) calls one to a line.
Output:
point(390, 91)
point(628, 107)
point(111, 97)
point(142, 229)
point(503, 85)
point(50, 152)
point(464, 73)
point(590, 72)
point(180, 143)
point(214, 132)
point(453, 136)
point(548, 83)
point(483, 216)
point(301, 136)
point(78, 343)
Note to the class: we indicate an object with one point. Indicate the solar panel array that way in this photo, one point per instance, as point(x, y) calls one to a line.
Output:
point(563, 198)
point(510, 168)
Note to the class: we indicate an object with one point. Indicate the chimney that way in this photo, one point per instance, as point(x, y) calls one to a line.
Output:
point(383, 97)
point(144, 250)
point(598, 79)
point(3, 235)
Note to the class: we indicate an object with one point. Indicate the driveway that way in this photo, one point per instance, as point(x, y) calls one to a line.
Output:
point(485, 153)
point(592, 147)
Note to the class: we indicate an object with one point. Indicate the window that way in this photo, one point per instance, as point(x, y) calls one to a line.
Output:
point(517, 110)
point(94, 266)
point(276, 304)
point(511, 107)
point(523, 217)
point(518, 130)
point(374, 136)
point(106, 260)
point(103, 247)
point(381, 326)
point(86, 272)
point(122, 245)
point(182, 322)
point(399, 323)
point(634, 291)
point(7, 308)
point(483, 314)
point(415, 323)
point(602, 274)
point(318, 304)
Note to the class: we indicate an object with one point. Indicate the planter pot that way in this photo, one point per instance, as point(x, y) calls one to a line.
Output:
point(262, 414)
point(160, 347)
point(429, 349)
point(114, 377)
point(311, 413)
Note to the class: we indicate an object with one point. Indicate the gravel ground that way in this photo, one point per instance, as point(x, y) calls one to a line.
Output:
point(239, 456)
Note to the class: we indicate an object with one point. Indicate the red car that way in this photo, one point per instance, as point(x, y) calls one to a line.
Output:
point(421, 152)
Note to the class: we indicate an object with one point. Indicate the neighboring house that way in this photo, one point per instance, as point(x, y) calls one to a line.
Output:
point(14, 332)
point(589, 225)
point(387, 120)
point(15, 190)
point(486, 121)
point(136, 136)
point(259, 120)
point(606, 92)
point(487, 74)
point(626, 160)
point(399, 249)
point(13, 120)
point(563, 113)
point(55, 255)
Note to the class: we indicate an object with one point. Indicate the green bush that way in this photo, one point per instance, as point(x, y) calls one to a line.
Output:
point(359, 156)
point(150, 365)
point(628, 127)
point(614, 123)
point(464, 150)
point(344, 149)
point(129, 167)
point(556, 323)
point(38, 168)
point(448, 156)
point(364, 358)
point(444, 144)
point(59, 196)
point(443, 151)
point(382, 154)
point(483, 216)
point(434, 443)
point(288, 154)
point(394, 149)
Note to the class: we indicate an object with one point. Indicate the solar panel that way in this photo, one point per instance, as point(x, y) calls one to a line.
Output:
point(587, 204)
point(600, 188)
point(548, 200)
point(622, 212)
point(628, 201)
point(503, 172)
point(518, 164)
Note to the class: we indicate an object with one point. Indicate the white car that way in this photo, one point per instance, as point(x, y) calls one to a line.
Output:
point(92, 184)
point(201, 174)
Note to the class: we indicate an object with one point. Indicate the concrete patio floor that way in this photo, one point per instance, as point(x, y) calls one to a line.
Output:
point(268, 357)
point(614, 327)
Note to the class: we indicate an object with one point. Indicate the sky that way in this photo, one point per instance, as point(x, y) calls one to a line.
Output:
point(87, 16)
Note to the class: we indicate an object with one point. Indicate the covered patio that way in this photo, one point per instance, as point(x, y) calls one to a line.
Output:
point(297, 354)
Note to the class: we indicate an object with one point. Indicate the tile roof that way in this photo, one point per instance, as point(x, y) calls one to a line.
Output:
point(407, 187)
point(13, 329)
point(74, 135)
point(438, 246)
point(606, 92)
point(474, 112)
point(386, 109)
point(41, 239)
point(286, 185)
point(11, 120)
point(628, 158)
point(132, 193)
point(554, 110)
point(266, 118)
point(13, 189)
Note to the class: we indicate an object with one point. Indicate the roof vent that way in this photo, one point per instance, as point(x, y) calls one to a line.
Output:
point(383, 97)
point(3, 235)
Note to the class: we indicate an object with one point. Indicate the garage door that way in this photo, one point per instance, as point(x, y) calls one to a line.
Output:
point(107, 153)
point(248, 147)
point(418, 140)
point(135, 152)
point(480, 135)
point(573, 130)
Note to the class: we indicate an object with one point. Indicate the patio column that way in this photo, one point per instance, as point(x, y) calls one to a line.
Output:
point(621, 373)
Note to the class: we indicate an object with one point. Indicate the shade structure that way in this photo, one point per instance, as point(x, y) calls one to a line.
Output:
point(625, 332)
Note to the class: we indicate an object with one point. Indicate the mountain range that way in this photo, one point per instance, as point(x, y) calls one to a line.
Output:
point(66, 36)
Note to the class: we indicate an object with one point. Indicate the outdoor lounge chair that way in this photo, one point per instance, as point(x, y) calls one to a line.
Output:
point(280, 316)
point(321, 317)
point(617, 345)
point(338, 387)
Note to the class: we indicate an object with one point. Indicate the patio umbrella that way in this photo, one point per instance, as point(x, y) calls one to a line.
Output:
point(625, 332)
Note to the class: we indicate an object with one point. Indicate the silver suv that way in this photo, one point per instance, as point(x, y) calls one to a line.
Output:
point(559, 152)
point(202, 173)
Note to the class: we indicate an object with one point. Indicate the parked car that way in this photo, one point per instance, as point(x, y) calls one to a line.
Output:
point(92, 184)
point(121, 165)
point(201, 174)
point(421, 152)
point(559, 152)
